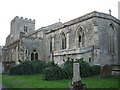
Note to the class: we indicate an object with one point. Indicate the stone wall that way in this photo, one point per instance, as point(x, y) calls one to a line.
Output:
point(96, 28)
point(31, 44)
point(107, 57)
point(118, 38)
point(0, 54)
point(60, 56)
point(91, 38)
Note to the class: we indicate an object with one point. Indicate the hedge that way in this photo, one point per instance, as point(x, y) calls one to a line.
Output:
point(28, 68)
point(95, 69)
point(54, 73)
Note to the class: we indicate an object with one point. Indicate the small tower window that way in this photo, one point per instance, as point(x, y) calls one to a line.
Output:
point(90, 59)
point(26, 52)
point(25, 28)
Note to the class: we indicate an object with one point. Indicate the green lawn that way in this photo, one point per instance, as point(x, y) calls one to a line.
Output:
point(35, 81)
point(0, 78)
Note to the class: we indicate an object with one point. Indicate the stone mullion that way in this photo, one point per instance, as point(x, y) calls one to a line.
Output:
point(21, 51)
point(53, 42)
point(67, 40)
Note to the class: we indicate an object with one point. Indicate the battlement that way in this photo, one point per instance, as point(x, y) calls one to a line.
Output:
point(24, 19)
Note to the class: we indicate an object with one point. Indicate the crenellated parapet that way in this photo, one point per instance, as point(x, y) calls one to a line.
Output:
point(24, 19)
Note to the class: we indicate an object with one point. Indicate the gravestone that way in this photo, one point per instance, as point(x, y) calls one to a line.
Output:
point(105, 71)
point(76, 84)
point(116, 69)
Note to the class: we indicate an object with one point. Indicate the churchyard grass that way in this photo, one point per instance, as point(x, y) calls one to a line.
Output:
point(36, 81)
point(32, 81)
point(0, 78)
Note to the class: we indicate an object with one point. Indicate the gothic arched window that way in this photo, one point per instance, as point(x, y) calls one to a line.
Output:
point(80, 37)
point(50, 44)
point(83, 39)
point(26, 52)
point(34, 55)
point(63, 37)
point(111, 36)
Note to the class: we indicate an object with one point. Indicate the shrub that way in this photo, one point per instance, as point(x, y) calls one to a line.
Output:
point(68, 68)
point(85, 68)
point(54, 73)
point(24, 68)
point(51, 64)
point(38, 66)
point(95, 69)
point(28, 68)
point(14, 71)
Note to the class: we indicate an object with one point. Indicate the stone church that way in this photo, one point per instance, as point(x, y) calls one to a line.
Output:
point(94, 36)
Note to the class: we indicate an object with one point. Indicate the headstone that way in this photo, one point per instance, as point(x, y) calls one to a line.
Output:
point(105, 71)
point(116, 69)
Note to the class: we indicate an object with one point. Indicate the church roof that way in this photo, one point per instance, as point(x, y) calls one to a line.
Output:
point(86, 17)
point(91, 15)
point(52, 26)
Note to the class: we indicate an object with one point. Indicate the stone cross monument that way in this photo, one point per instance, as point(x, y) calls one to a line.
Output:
point(76, 84)
point(76, 72)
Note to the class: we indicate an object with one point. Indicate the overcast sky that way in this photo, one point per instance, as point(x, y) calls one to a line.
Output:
point(47, 12)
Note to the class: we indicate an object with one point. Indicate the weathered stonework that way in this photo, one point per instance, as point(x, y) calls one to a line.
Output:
point(94, 37)
point(76, 72)
point(1, 54)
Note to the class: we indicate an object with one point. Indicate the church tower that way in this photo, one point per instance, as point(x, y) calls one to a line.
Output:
point(20, 24)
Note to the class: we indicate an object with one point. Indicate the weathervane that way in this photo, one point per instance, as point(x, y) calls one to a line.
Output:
point(59, 19)
point(110, 11)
